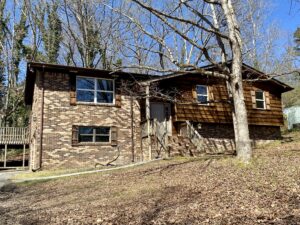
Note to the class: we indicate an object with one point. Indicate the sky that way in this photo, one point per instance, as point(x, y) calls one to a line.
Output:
point(286, 14)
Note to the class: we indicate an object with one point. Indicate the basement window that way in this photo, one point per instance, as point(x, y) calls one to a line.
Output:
point(94, 134)
point(260, 99)
point(202, 94)
point(95, 90)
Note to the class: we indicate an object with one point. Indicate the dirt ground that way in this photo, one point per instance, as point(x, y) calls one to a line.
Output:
point(177, 191)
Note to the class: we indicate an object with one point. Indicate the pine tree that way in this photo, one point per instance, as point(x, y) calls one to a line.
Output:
point(19, 49)
point(3, 32)
point(51, 29)
point(297, 41)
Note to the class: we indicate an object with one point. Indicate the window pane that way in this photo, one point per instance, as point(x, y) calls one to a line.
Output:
point(85, 96)
point(259, 95)
point(260, 104)
point(102, 138)
point(85, 130)
point(202, 99)
point(104, 85)
point(201, 90)
point(85, 138)
point(85, 83)
point(103, 97)
point(102, 130)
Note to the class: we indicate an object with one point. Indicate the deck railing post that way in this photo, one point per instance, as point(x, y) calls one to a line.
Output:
point(5, 155)
point(24, 152)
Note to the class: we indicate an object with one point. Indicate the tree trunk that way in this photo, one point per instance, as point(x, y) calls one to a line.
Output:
point(242, 139)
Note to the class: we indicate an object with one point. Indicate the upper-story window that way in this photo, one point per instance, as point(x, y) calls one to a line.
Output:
point(260, 99)
point(202, 94)
point(95, 90)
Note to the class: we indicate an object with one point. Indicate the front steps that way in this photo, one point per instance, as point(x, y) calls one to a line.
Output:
point(182, 146)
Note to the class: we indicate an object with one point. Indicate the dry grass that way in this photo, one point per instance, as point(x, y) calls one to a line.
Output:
point(46, 173)
point(178, 191)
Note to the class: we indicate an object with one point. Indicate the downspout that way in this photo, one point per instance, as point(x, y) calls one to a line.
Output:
point(148, 119)
point(132, 130)
point(41, 123)
point(42, 118)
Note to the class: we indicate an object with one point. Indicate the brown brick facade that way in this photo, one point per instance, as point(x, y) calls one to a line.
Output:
point(60, 116)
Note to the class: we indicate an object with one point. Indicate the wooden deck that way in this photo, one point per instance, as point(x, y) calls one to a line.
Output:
point(13, 136)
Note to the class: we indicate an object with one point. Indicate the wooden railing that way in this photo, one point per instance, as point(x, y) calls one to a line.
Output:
point(160, 131)
point(144, 128)
point(14, 135)
point(193, 135)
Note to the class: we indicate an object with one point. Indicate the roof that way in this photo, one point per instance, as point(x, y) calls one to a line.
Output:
point(256, 74)
point(32, 67)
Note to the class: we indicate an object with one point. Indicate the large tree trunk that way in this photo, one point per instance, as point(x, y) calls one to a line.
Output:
point(242, 139)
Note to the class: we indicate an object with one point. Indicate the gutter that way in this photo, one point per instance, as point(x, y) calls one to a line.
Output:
point(42, 120)
point(41, 124)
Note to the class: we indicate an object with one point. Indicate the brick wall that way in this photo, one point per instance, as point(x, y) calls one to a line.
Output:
point(35, 121)
point(59, 116)
point(210, 130)
point(219, 138)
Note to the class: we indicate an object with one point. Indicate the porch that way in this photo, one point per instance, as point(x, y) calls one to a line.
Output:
point(13, 147)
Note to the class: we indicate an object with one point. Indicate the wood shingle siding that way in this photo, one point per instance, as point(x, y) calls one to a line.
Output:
point(219, 110)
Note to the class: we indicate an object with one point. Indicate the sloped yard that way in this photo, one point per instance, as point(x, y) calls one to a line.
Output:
point(177, 191)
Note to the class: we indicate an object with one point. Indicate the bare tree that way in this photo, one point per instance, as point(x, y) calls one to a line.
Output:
point(91, 34)
point(204, 34)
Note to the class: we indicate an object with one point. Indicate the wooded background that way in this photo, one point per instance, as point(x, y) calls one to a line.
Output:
point(114, 34)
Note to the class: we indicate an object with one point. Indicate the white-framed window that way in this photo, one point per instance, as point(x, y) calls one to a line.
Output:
point(202, 94)
point(95, 90)
point(260, 99)
point(93, 134)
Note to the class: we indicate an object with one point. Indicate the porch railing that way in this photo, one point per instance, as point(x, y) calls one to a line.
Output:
point(14, 135)
point(193, 135)
point(144, 128)
point(160, 131)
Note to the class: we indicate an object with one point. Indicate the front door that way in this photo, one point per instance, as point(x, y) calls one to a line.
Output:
point(162, 113)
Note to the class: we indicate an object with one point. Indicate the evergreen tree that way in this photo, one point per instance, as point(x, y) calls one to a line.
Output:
point(19, 49)
point(3, 31)
point(51, 29)
point(297, 41)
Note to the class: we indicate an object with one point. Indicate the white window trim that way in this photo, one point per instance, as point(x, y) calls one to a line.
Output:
point(95, 91)
point(260, 100)
point(94, 135)
point(207, 94)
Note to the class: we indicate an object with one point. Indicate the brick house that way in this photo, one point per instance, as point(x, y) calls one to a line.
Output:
point(81, 117)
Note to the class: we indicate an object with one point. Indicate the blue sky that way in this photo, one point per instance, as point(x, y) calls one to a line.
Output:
point(286, 14)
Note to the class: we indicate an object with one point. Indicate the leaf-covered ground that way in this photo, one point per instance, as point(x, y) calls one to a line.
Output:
point(177, 191)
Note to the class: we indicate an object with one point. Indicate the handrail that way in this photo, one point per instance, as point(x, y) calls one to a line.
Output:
point(193, 130)
point(160, 132)
point(193, 135)
point(144, 129)
point(14, 135)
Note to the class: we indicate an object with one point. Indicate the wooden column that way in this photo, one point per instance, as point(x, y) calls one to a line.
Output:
point(5, 155)
point(148, 118)
point(24, 152)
